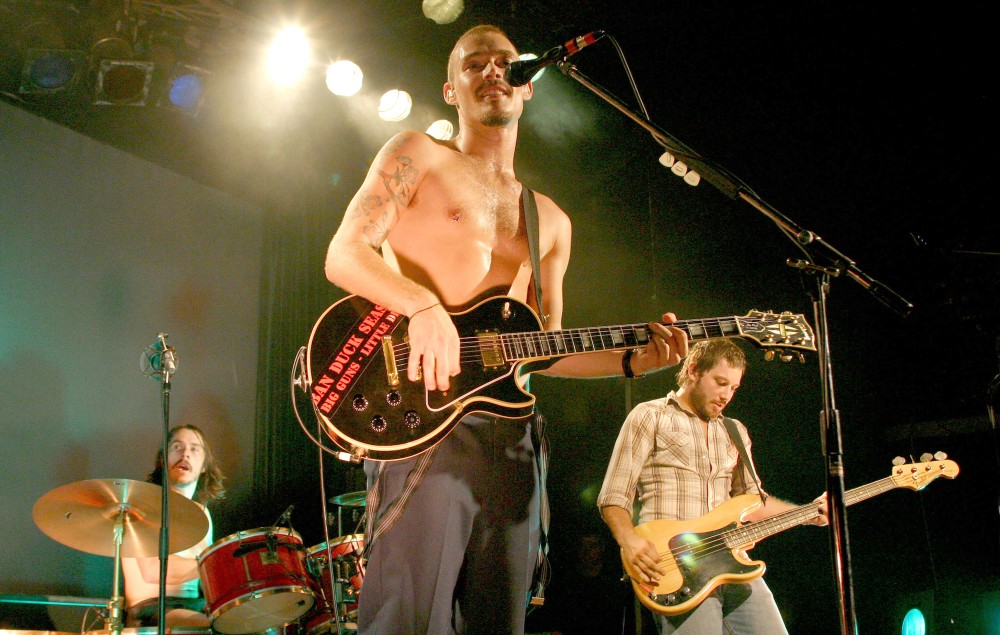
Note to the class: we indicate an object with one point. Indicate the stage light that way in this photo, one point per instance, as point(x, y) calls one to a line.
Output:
point(395, 105)
point(443, 11)
point(288, 57)
point(186, 89)
point(441, 129)
point(344, 78)
point(531, 56)
point(914, 623)
point(123, 83)
point(48, 71)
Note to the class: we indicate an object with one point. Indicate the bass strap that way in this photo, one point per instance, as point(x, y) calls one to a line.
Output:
point(734, 434)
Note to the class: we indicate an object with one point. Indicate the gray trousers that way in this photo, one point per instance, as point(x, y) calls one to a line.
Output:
point(460, 559)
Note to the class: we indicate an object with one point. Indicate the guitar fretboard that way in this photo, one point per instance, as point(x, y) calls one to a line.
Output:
point(535, 344)
point(753, 532)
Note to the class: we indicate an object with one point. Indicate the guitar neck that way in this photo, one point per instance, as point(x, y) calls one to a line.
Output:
point(548, 344)
point(756, 531)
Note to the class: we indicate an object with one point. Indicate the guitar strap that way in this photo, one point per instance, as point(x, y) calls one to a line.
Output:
point(538, 438)
point(734, 434)
point(531, 225)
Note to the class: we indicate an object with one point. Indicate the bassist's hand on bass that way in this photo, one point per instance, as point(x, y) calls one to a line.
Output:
point(641, 554)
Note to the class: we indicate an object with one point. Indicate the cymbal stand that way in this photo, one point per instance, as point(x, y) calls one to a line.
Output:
point(116, 605)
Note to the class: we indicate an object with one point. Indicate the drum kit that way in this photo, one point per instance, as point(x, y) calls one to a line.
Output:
point(258, 581)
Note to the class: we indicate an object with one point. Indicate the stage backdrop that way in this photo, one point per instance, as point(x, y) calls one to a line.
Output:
point(100, 252)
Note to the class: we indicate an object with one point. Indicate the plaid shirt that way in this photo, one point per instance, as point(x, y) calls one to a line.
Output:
point(662, 459)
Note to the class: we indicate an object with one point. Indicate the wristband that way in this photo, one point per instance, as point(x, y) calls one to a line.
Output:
point(627, 365)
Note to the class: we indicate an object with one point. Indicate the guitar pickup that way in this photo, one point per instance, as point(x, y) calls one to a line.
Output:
point(391, 371)
point(490, 349)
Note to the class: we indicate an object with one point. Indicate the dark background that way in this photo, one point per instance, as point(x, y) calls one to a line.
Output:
point(867, 124)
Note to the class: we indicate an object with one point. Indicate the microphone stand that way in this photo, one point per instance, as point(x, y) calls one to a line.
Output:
point(167, 369)
point(836, 264)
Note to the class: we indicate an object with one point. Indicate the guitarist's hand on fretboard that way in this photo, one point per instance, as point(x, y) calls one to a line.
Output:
point(667, 347)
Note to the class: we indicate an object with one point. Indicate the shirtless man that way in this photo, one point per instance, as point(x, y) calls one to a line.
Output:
point(446, 216)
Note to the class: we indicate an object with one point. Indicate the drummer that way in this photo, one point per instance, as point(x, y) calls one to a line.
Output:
point(192, 472)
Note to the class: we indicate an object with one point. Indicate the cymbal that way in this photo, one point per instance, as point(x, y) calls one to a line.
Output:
point(83, 515)
point(351, 499)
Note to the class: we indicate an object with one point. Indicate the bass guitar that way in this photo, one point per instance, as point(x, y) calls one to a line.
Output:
point(357, 355)
point(702, 554)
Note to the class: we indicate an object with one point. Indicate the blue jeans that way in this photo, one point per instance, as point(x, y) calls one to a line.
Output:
point(733, 609)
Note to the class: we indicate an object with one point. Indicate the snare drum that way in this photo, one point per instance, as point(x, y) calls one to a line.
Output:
point(348, 573)
point(255, 580)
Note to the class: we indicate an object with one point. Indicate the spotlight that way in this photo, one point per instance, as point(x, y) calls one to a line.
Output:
point(443, 11)
point(123, 83)
point(441, 129)
point(344, 78)
point(48, 71)
point(186, 89)
point(289, 56)
point(395, 105)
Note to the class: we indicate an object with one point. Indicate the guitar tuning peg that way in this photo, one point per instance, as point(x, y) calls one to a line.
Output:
point(787, 357)
point(926, 457)
point(802, 358)
point(769, 355)
point(899, 461)
point(940, 456)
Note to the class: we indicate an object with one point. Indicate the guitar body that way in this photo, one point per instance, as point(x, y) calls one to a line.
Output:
point(367, 405)
point(695, 557)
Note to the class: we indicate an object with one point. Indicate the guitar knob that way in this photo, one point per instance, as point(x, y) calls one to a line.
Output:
point(685, 591)
point(411, 419)
point(359, 403)
point(379, 424)
point(393, 398)
point(671, 598)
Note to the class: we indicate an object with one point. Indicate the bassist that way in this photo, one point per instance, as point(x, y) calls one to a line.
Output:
point(677, 458)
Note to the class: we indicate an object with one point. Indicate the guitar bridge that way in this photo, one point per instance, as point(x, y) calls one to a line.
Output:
point(490, 349)
point(391, 371)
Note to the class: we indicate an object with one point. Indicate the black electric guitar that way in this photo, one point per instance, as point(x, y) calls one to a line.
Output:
point(701, 554)
point(358, 352)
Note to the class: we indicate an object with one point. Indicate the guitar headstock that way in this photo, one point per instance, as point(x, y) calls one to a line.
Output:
point(917, 475)
point(778, 332)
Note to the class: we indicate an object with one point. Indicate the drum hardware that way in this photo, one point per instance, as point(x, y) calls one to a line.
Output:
point(81, 515)
point(339, 569)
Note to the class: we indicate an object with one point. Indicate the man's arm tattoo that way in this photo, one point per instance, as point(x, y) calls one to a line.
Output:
point(379, 210)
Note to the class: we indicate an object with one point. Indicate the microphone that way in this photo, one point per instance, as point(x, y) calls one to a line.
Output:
point(286, 516)
point(159, 359)
point(169, 355)
point(520, 72)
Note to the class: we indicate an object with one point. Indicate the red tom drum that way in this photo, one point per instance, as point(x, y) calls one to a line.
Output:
point(255, 580)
